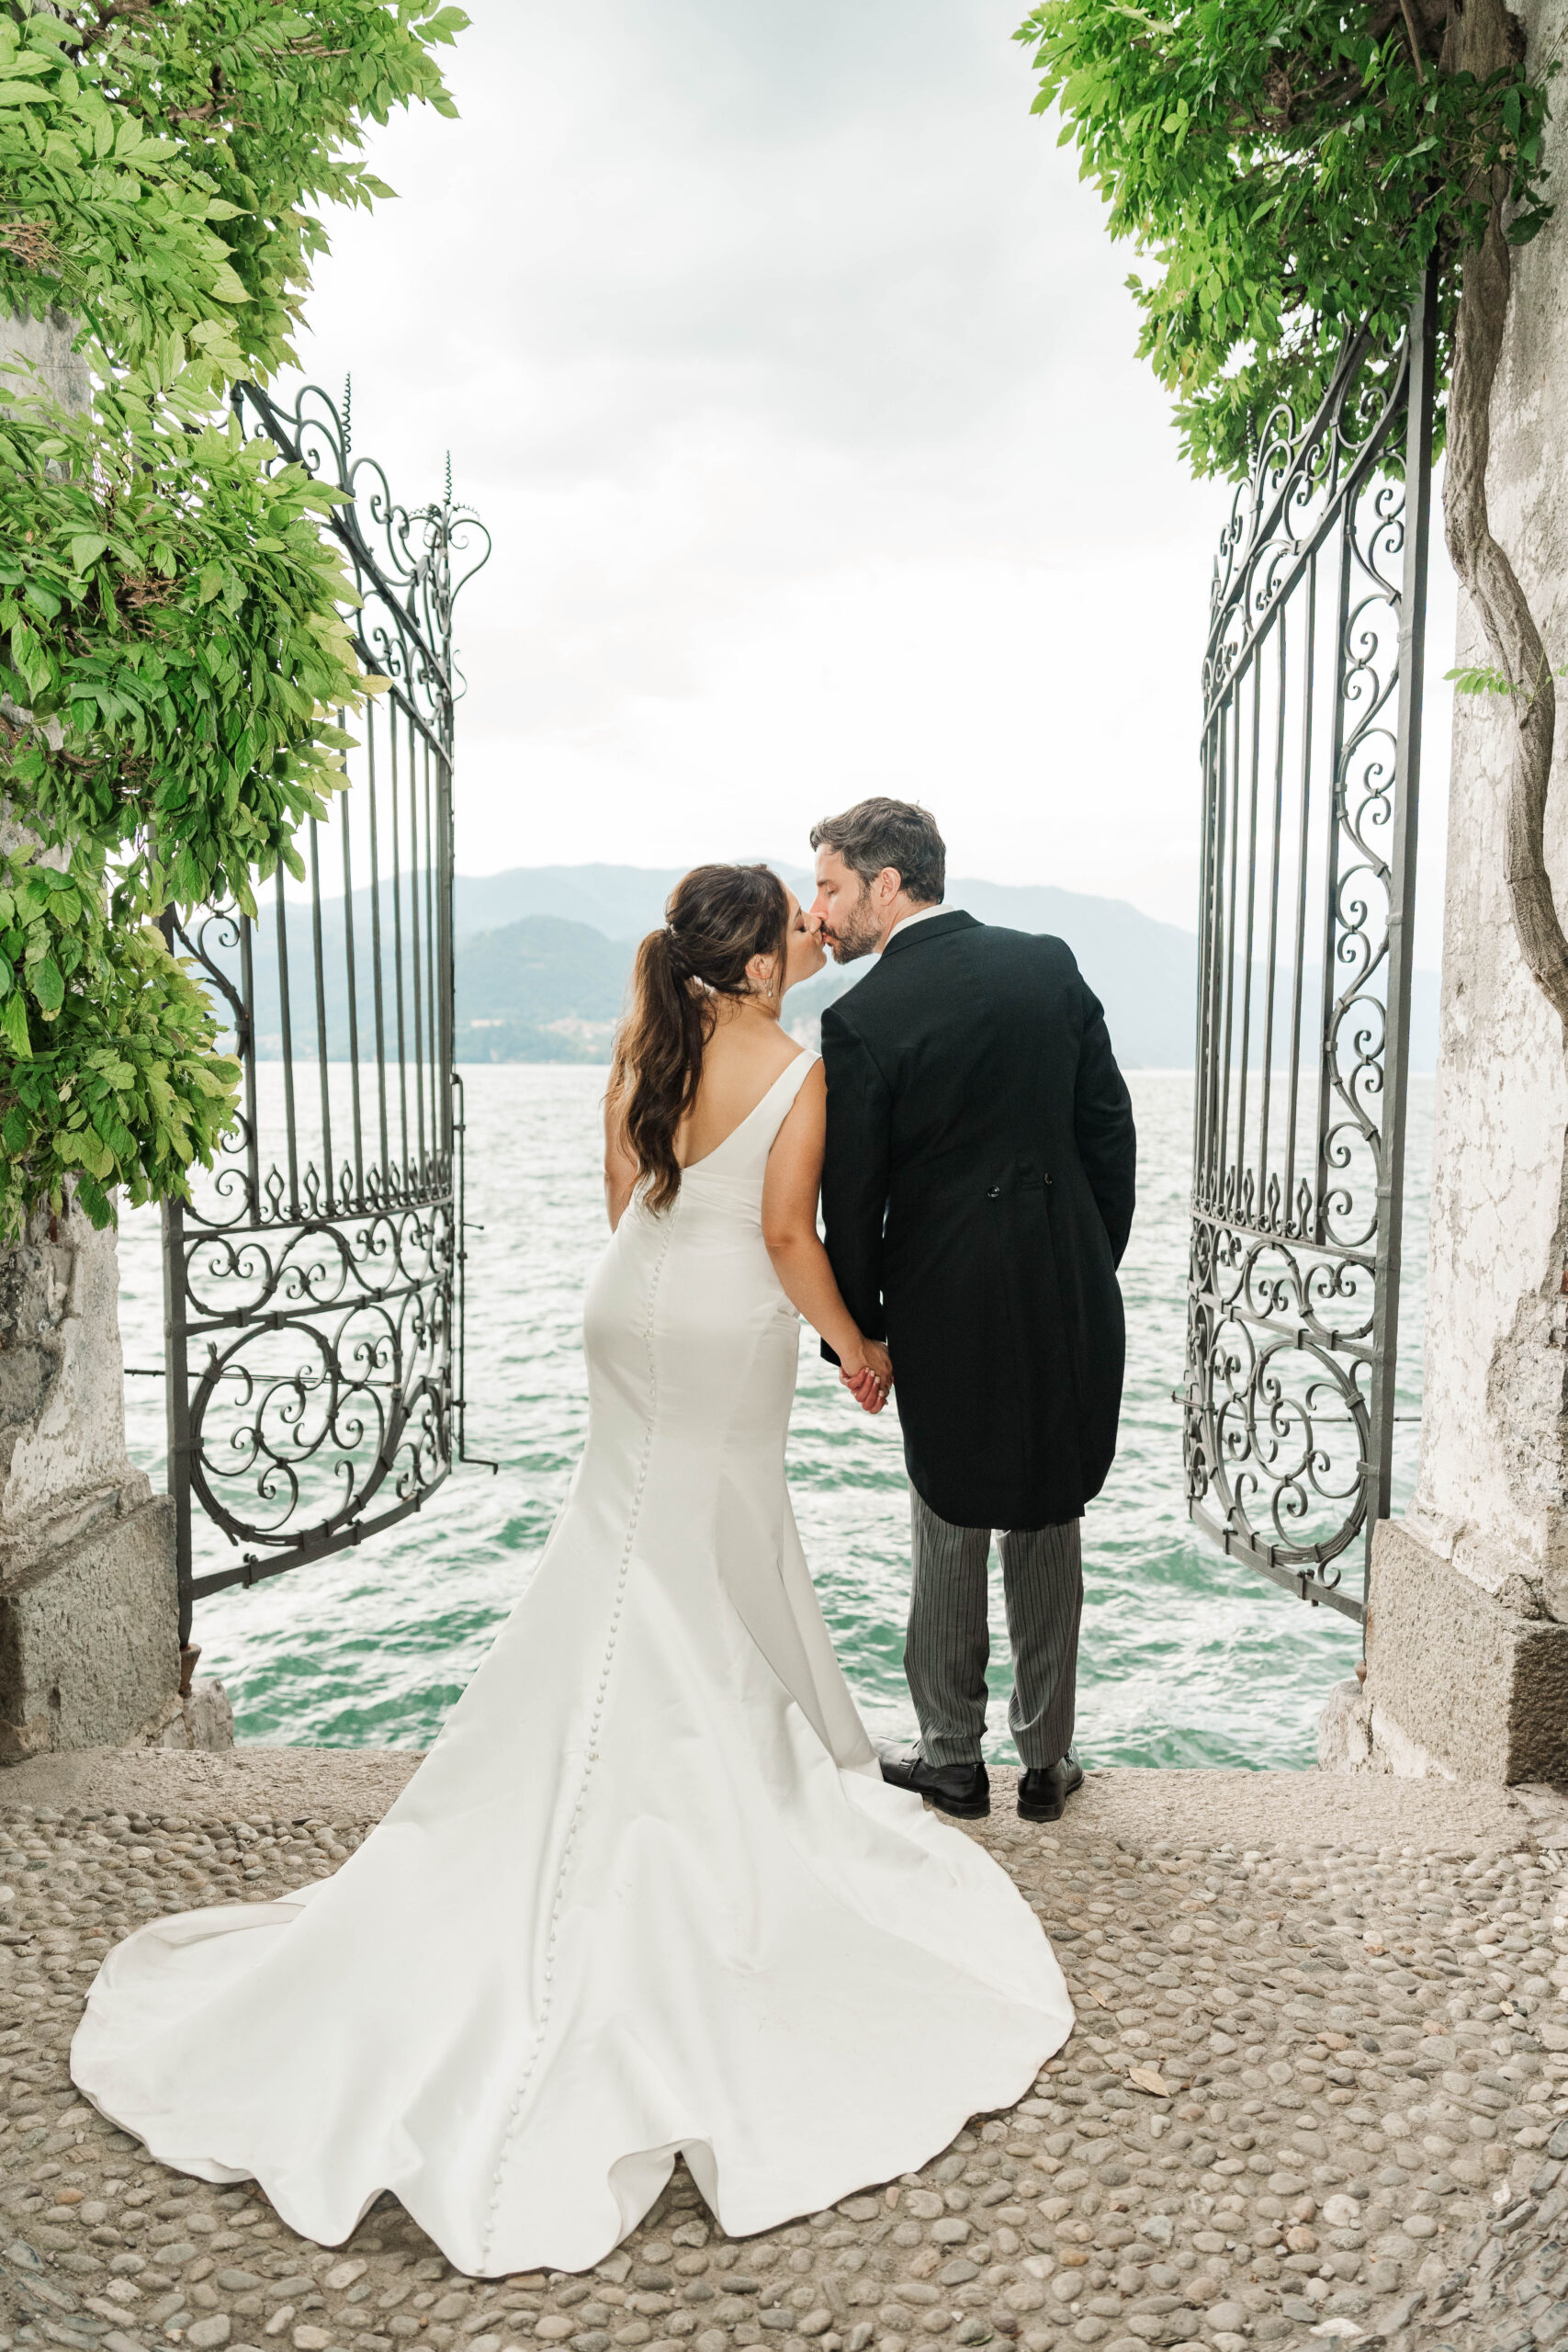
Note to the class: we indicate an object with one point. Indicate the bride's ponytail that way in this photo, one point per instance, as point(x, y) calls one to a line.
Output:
point(717, 919)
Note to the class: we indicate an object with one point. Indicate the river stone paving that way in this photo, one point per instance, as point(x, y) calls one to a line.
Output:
point(1318, 2092)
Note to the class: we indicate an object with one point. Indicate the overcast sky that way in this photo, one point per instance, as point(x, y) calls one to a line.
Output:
point(791, 367)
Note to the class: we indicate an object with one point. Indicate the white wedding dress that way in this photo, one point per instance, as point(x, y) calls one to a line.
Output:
point(647, 1894)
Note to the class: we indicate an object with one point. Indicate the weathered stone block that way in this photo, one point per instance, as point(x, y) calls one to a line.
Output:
point(1344, 1730)
point(89, 1642)
point(64, 1466)
point(1356, 1735)
point(206, 1721)
point(1481, 1687)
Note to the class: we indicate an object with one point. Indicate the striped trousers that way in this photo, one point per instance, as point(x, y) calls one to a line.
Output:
point(949, 1640)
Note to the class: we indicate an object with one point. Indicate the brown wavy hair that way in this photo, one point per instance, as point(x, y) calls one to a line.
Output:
point(716, 919)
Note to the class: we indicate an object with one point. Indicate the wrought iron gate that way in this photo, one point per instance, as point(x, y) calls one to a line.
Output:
point(1311, 758)
point(312, 1290)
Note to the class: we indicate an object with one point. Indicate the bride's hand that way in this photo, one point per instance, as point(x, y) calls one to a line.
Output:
point(868, 1375)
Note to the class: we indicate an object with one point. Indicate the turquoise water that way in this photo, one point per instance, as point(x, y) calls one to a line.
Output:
point(1187, 1659)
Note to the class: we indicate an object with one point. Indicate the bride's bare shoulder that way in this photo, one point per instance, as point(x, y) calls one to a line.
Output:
point(739, 1059)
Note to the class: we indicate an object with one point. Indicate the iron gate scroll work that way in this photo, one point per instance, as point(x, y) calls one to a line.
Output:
point(1311, 753)
point(312, 1288)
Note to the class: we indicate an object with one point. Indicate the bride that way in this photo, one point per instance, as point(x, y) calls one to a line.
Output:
point(649, 1895)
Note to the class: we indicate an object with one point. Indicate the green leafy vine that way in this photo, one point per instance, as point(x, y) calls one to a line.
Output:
point(173, 636)
point(1289, 169)
point(112, 1076)
point(175, 645)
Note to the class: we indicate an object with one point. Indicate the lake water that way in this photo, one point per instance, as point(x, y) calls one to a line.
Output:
point(1187, 1659)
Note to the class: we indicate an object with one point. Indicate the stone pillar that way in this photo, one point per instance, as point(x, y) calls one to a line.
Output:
point(1467, 1648)
point(89, 1615)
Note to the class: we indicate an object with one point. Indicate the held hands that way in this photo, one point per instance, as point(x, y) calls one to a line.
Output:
point(868, 1376)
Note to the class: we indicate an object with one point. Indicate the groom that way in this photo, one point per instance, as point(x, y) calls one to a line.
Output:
point(977, 1194)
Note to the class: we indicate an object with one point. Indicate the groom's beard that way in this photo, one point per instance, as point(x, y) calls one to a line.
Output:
point(856, 937)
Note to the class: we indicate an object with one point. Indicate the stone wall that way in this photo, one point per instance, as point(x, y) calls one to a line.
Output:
point(39, 352)
point(1468, 1639)
point(89, 1642)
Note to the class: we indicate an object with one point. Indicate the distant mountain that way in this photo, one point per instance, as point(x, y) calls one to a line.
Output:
point(621, 902)
point(543, 954)
point(539, 990)
point(1142, 971)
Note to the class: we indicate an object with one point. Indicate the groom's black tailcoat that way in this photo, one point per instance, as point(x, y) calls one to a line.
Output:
point(977, 1194)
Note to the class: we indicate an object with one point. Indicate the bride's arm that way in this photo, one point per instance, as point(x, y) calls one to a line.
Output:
point(789, 1230)
point(620, 1168)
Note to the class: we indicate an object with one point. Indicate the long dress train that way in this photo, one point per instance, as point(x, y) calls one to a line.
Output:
point(647, 1894)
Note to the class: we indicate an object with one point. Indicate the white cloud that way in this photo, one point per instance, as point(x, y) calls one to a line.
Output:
point(788, 360)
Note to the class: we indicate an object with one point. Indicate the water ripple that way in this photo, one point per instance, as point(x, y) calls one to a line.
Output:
point(1187, 1659)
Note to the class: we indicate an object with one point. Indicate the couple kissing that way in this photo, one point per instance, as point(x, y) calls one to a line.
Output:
point(654, 1894)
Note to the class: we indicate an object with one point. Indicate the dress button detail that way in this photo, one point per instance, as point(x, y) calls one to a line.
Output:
point(617, 1604)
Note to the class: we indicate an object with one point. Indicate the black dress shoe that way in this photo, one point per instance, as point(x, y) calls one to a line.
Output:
point(1044, 1791)
point(963, 1788)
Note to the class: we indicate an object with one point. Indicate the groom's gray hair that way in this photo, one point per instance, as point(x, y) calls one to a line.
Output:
point(899, 833)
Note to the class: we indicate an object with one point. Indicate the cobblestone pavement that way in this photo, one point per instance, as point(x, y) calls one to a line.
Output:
point(1316, 2092)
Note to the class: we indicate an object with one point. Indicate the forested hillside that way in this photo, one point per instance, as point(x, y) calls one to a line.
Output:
point(544, 955)
point(530, 989)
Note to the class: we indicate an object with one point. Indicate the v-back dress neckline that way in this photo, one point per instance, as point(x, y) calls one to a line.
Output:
point(691, 1167)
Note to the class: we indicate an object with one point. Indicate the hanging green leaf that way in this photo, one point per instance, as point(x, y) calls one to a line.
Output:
point(1287, 169)
point(14, 1025)
point(48, 985)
